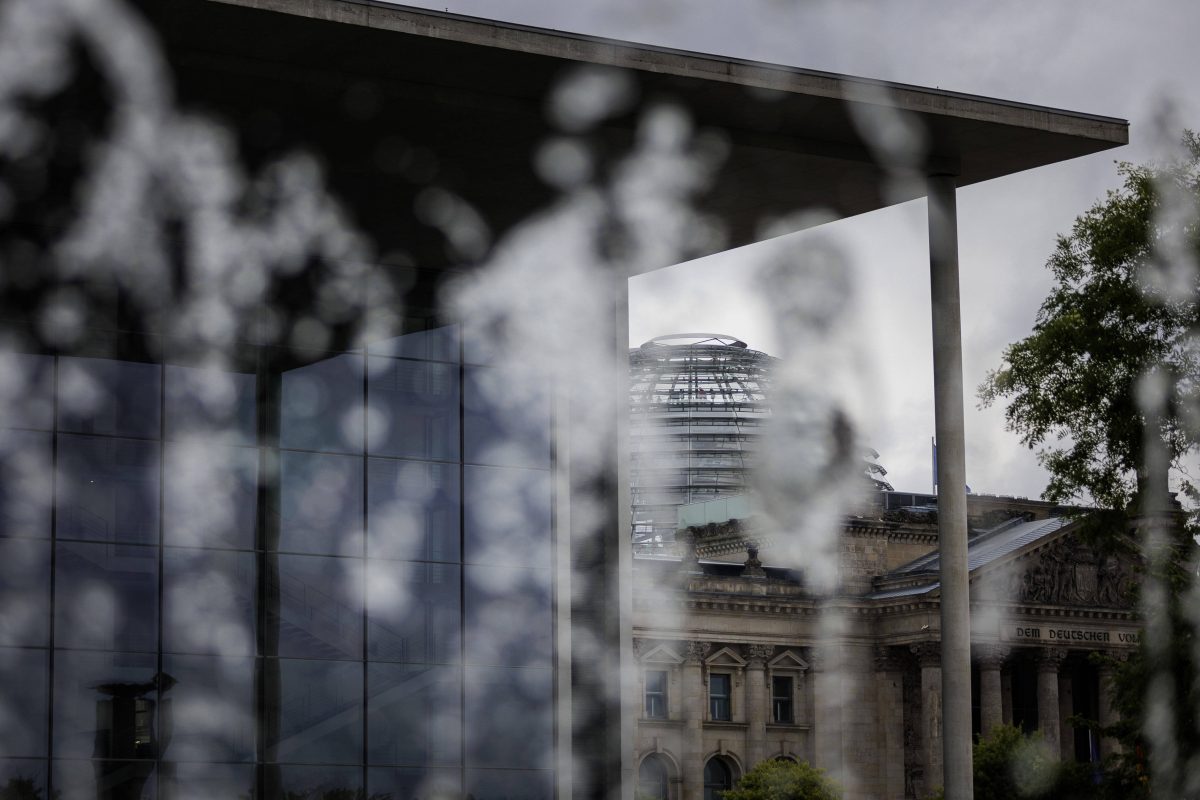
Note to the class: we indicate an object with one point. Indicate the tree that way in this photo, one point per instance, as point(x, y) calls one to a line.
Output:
point(1116, 312)
point(784, 780)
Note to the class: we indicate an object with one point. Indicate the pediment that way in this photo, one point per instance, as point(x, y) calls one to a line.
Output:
point(661, 654)
point(788, 660)
point(725, 657)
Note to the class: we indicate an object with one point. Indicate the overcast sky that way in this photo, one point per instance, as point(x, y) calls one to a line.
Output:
point(1109, 57)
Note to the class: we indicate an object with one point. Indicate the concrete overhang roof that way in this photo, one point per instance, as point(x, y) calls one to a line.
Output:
point(475, 90)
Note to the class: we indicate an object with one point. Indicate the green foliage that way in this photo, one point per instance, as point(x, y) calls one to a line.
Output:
point(20, 788)
point(1008, 764)
point(784, 780)
point(1113, 315)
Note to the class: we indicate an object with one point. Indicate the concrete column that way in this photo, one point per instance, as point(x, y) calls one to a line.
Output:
point(952, 487)
point(889, 678)
point(758, 700)
point(1006, 695)
point(929, 658)
point(1048, 662)
point(1108, 714)
point(694, 699)
point(991, 693)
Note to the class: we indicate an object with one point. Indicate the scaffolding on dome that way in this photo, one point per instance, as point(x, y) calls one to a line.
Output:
point(697, 404)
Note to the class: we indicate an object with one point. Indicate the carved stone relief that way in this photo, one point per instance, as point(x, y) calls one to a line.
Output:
point(1071, 573)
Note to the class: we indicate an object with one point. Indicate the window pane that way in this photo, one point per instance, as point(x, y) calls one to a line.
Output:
point(656, 694)
point(509, 718)
point(27, 391)
point(22, 778)
point(414, 783)
point(107, 489)
point(510, 784)
point(208, 602)
point(718, 697)
point(506, 418)
point(413, 612)
point(435, 344)
point(321, 499)
point(313, 783)
point(317, 706)
point(414, 715)
point(24, 592)
point(781, 699)
point(414, 408)
point(321, 406)
point(209, 709)
point(211, 497)
point(508, 616)
point(128, 780)
point(105, 705)
point(210, 403)
point(507, 516)
point(207, 781)
point(315, 606)
point(106, 597)
point(26, 483)
point(105, 396)
point(412, 510)
point(23, 706)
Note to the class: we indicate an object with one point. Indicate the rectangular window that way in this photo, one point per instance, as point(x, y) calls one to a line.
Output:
point(656, 694)
point(781, 700)
point(718, 697)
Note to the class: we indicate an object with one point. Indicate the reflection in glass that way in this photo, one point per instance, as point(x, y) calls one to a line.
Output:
point(509, 718)
point(27, 391)
point(23, 706)
point(413, 612)
point(412, 510)
point(435, 344)
point(317, 606)
point(414, 408)
point(318, 705)
point(105, 705)
point(506, 418)
point(210, 707)
point(24, 592)
point(321, 499)
point(208, 602)
point(106, 597)
point(26, 483)
point(211, 495)
point(413, 783)
point(321, 406)
point(507, 516)
point(107, 489)
point(114, 398)
point(207, 781)
point(413, 715)
point(211, 403)
point(507, 616)
point(105, 780)
point(22, 778)
point(292, 782)
point(510, 784)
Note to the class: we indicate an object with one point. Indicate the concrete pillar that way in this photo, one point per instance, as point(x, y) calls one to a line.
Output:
point(1048, 662)
point(694, 699)
point(1006, 695)
point(889, 678)
point(929, 658)
point(991, 692)
point(952, 483)
point(1108, 714)
point(758, 701)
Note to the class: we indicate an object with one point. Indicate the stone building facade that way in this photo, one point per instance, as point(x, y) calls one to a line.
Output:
point(740, 662)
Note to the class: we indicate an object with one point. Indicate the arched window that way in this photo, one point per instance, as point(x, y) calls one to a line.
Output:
point(718, 777)
point(652, 778)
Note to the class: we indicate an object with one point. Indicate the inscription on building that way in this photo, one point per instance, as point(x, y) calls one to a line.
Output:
point(1040, 634)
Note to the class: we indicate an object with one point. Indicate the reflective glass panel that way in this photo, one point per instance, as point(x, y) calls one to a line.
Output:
point(106, 396)
point(314, 606)
point(414, 714)
point(321, 406)
point(209, 602)
point(321, 499)
point(507, 516)
point(209, 708)
point(26, 483)
point(207, 781)
point(292, 782)
point(509, 720)
point(506, 418)
point(412, 510)
point(414, 783)
point(102, 780)
point(413, 612)
point(318, 708)
point(105, 705)
point(414, 408)
point(107, 489)
point(106, 597)
point(22, 778)
point(27, 391)
point(209, 403)
point(211, 495)
point(510, 784)
point(23, 707)
point(435, 344)
point(24, 592)
point(507, 616)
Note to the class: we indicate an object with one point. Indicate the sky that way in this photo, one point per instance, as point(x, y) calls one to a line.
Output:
point(1137, 61)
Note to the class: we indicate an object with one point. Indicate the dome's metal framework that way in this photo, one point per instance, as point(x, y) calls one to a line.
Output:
point(697, 403)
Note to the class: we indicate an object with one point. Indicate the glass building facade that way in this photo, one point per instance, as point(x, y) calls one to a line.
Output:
point(325, 575)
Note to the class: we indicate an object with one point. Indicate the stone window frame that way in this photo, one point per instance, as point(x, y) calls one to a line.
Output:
point(661, 658)
point(788, 665)
point(725, 661)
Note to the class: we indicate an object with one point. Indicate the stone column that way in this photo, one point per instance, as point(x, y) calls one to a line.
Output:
point(1006, 695)
point(991, 693)
point(1048, 662)
point(758, 699)
point(929, 657)
point(1066, 707)
point(889, 678)
point(694, 697)
point(1108, 714)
